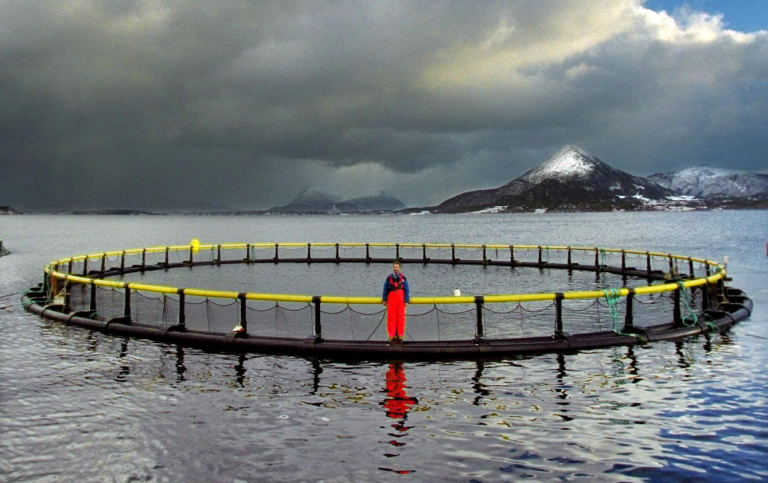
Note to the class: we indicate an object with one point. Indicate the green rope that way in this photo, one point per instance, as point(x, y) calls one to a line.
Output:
point(691, 318)
point(612, 299)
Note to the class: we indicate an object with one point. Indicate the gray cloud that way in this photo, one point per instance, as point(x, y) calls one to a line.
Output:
point(244, 103)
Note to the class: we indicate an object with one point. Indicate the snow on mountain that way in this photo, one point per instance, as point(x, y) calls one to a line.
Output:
point(380, 201)
point(569, 162)
point(709, 182)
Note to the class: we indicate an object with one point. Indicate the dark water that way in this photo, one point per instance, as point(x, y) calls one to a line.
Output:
point(81, 406)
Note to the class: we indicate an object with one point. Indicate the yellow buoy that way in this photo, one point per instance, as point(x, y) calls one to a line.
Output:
point(195, 244)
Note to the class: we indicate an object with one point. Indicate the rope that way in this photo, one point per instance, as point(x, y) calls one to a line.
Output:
point(377, 326)
point(687, 299)
point(612, 299)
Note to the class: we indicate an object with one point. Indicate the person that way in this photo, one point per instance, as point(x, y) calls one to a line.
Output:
point(395, 297)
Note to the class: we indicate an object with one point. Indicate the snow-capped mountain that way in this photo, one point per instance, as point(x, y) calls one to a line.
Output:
point(572, 165)
point(315, 201)
point(709, 182)
point(571, 179)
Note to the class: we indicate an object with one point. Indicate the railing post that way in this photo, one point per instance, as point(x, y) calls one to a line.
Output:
point(318, 332)
point(512, 256)
point(247, 253)
point(337, 253)
point(218, 254)
point(453, 253)
point(705, 296)
point(629, 318)
point(127, 304)
point(397, 251)
point(103, 263)
point(309, 252)
point(676, 314)
point(541, 261)
point(277, 253)
point(92, 304)
point(485, 258)
point(243, 311)
point(623, 260)
point(67, 297)
point(143, 259)
point(671, 267)
point(569, 257)
point(85, 267)
point(559, 333)
point(191, 256)
point(167, 257)
point(367, 253)
point(648, 262)
point(479, 330)
point(122, 262)
point(691, 272)
point(182, 313)
point(597, 259)
point(424, 253)
point(69, 267)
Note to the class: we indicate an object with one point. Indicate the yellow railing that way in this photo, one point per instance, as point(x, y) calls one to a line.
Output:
point(52, 270)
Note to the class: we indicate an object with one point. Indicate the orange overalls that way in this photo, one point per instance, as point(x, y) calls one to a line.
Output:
point(396, 307)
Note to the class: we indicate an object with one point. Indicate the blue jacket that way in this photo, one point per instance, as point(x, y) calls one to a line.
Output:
point(388, 287)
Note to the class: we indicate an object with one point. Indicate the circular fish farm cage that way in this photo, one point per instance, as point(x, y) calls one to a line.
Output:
point(643, 297)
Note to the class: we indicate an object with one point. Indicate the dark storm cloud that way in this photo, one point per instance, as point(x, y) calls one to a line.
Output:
point(242, 103)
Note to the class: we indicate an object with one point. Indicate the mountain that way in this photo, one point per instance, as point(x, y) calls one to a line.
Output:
point(381, 201)
point(709, 182)
point(315, 201)
point(572, 179)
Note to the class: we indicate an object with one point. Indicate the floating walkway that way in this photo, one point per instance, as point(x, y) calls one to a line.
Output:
point(689, 296)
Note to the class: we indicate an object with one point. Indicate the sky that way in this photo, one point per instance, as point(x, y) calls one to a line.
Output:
point(241, 104)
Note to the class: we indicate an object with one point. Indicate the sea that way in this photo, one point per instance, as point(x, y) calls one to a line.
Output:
point(81, 406)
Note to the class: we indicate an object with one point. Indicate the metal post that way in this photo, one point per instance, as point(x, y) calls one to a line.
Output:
point(69, 266)
point(122, 262)
point(479, 301)
point(143, 259)
point(648, 262)
point(243, 309)
point(367, 253)
point(397, 251)
point(167, 258)
point(67, 296)
point(559, 333)
point(676, 315)
point(569, 257)
point(705, 297)
point(337, 253)
point(92, 305)
point(540, 260)
point(629, 319)
point(277, 254)
point(127, 305)
point(182, 314)
point(671, 267)
point(103, 263)
point(453, 254)
point(597, 259)
point(691, 273)
point(485, 258)
point(623, 260)
point(512, 256)
point(424, 253)
point(218, 254)
point(85, 267)
point(191, 256)
point(318, 327)
point(309, 252)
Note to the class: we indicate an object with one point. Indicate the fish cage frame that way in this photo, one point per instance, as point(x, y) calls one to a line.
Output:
point(722, 306)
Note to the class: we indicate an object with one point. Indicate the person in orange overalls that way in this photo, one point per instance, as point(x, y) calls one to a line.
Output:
point(395, 297)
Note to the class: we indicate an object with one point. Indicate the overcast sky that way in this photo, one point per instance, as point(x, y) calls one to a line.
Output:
point(244, 103)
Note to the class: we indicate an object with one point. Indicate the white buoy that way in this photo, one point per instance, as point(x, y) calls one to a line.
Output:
point(456, 292)
point(725, 260)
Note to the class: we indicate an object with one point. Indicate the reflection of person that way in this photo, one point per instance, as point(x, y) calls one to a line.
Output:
point(395, 297)
point(397, 403)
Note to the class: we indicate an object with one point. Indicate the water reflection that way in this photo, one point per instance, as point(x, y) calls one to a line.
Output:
point(396, 405)
point(180, 367)
point(240, 370)
point(125, 370)
point(479, 387)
